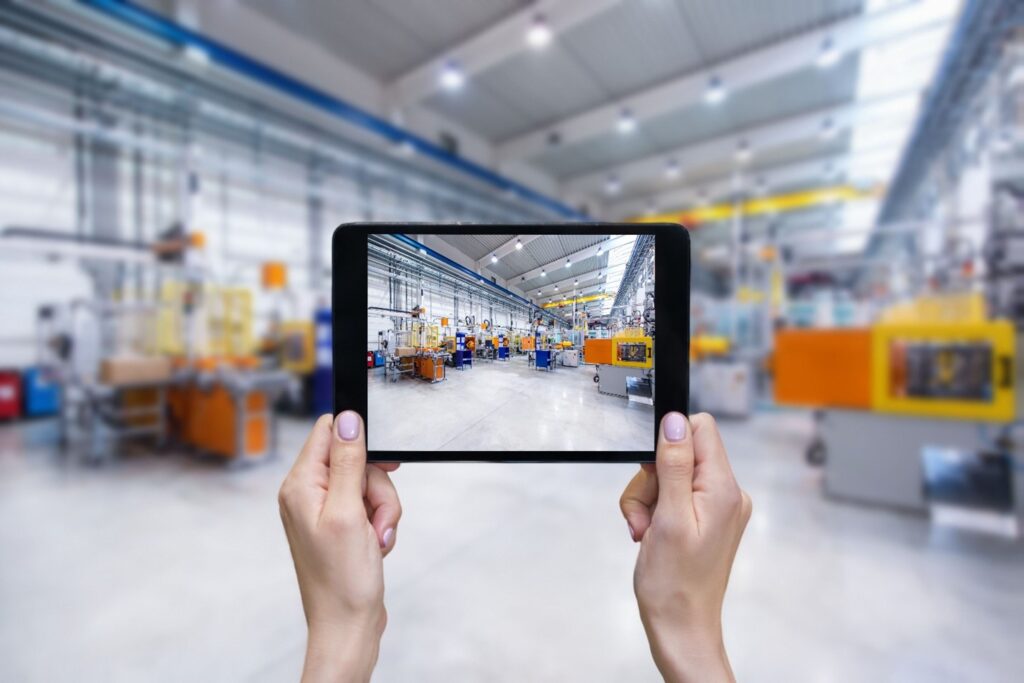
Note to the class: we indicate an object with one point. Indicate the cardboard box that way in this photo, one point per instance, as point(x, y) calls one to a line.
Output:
point(404, 351)
point(125, 370)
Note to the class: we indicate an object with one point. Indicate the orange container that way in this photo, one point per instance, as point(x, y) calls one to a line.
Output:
point(823, 368)
point(597, 351)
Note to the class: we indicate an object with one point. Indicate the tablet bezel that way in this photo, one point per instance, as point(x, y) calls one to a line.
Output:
point(671, 341)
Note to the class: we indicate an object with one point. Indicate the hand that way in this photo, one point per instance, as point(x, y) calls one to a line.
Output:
point(340, 516)
point(688, 513)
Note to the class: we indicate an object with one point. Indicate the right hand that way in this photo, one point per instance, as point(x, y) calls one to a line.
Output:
point(688, 514)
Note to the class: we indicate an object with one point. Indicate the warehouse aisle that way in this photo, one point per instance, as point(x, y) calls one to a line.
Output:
point(161, 568)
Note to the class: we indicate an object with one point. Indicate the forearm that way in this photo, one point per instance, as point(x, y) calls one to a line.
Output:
point(333, 657)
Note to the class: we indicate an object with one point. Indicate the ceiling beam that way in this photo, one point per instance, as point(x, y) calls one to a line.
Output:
point(819, 170)
point(585, 279)
point(575, 257)
point(492, 46)
point(776, 133)
point(505, 249)
point(752, 68)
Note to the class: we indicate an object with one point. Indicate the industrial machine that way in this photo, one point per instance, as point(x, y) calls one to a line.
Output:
point(461, 355)
point(721, 382)
point(920, 378)
point(502, 343)
point(632, 360)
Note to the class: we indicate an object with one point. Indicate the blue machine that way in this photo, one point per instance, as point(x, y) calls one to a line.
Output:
point(40, 391)
point(463, 357)
point(322, 381)
point(543, 360)
point(502, 353)
point(378, 359)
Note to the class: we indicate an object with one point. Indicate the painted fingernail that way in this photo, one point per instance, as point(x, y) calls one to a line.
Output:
point(632, 534)
point(386, 538)
point(674, 427)
point(348, 426)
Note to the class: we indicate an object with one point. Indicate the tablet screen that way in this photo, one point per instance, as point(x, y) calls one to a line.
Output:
point(510, 342)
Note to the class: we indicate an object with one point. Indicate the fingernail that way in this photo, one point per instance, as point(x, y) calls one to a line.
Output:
point(632, 534)
point(386, 538)
point(348, 426)
point(674, 427)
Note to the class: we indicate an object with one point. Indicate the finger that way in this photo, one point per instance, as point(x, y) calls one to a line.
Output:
point(386, 508)
point(710, 460)
point(674, 464)
point(387, 466)
point(316, 451)
point(637, 500)
point(348, 462)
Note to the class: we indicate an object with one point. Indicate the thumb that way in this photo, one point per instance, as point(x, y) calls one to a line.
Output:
point(347, 461)
point(674, 464)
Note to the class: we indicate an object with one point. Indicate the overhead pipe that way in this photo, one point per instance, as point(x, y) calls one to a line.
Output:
point(162, 28)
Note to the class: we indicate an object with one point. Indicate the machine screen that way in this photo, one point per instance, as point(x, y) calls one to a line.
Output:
point(946, 370)
point(505, 342)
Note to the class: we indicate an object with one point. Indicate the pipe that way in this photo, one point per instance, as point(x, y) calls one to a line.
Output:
point(155, 25)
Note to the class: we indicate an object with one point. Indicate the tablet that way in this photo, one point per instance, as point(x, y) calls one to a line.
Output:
point(511, 343)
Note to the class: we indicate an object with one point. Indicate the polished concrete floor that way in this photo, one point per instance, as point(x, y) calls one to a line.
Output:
point(501, 406)
point(164, 568)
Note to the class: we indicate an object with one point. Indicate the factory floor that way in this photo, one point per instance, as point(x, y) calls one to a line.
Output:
point(166, 568)
point(504, 405)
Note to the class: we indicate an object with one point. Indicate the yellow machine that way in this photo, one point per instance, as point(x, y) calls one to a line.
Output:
point(706, 345)
point(632, 350)
point(950, 370)
point(297, 350)
point(933, 357)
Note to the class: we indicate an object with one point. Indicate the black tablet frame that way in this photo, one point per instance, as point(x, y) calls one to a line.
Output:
point(671, 342)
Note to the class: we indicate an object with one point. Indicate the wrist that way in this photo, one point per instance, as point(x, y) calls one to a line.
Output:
point(335, 654)
point(690, 653)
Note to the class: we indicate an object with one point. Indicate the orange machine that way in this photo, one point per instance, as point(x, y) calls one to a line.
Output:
point(529, 343)
point(597, 351)
point(215, 420)
point(821, 368)
point(430, 368)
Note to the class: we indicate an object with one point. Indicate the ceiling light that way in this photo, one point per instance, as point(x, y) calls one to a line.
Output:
point(743, 151)
point(600, 249)
point(538, 35)
point(829, 55)
point(494, 258)
point(828, 129)
point(672, 169)
point(612, 185)
point(543, 272)
point(406, 148)
point(539, 292)
point(519, 245)
point(451, 77)
point(556, 288)
point(715, 92)
point(568, 263)
point(575, 282)
point(626, 123)
point(423, 251)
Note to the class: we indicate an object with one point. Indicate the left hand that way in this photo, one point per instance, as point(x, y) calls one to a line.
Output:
point(340, 516)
